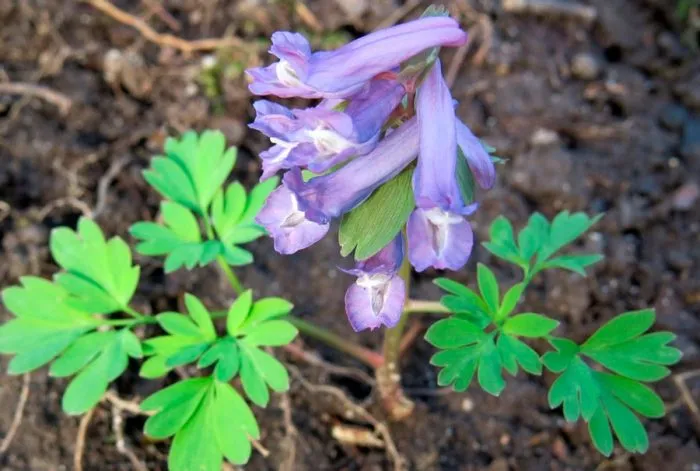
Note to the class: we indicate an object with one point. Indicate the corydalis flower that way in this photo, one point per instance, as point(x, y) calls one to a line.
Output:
point(319, 138)
point(344, 71)
point(329, 196)
point(439, 239)
point(378, 295)
point(289, 227)
point(438, 233)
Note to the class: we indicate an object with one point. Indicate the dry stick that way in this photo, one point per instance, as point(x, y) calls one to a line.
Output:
point(680, 379)
point(61, 101)
point(315, 360)
point(105, 181)
point(122, 448)
point(307, 17)
point(167, 40)
point(290, 438)
point(17, 418)
point(123, 404)
point(163, 14)
point(80, 440)
point(398, 14)
point(354, 411)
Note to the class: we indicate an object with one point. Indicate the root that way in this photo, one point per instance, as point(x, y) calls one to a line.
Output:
point(61, 101)
point(80, 440)
point(17, 418)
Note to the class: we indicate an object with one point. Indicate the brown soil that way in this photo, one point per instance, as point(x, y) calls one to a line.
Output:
point(618, 133)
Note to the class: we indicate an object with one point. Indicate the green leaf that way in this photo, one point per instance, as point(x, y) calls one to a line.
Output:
point(271, 334)
point(385, 211)
point(180, 239)
point(233, 214)
point(514, 352)
point(575, 263)
point(201, 316)
point(502, 243)
point(464, 302)
point(529, 324)
point(44, 326)
point(90, 384)
point(620, 346)
point(174, 406)
point(533, 236)
point(238, 312)
point(233, 423)
point(260, 370)
point(90, 259)
point(226, 354)
point(193, 446)
point(195, 168)
point(453, 332)
point(602, 399)
point(264, 310)
point(488, 285)
point(465, 178)
point(510, 300)
point(80, 353)
point(565, 228)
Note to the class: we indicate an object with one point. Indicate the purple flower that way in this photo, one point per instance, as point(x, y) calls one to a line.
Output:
point(344, 71)
point(439, 239)
point(435, 179)
point(319, 138)
point(288, 226)
point(378, 295)
point(478, 159)
point(328, 196)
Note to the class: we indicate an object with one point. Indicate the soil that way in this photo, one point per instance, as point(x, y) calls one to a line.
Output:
point(599, 116)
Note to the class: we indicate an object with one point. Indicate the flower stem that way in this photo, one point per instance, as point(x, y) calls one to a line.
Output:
point(365, 355)
point(396, 404)
point(420, 306)
point(232, 278)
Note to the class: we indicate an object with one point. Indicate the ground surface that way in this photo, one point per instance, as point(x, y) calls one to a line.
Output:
point(601, 116)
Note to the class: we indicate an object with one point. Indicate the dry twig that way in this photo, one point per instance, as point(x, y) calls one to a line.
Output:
point(314, 360)
point(17, 418)
point(80, 440)
point(61, 101)
point(158, 9)
point(687, 397)
point(65, 201)
point(307, 17)
point(353, 411)
point(105, 181)
point(290, 438)
point(129, 406)
point(122, 448)
point(167, 40)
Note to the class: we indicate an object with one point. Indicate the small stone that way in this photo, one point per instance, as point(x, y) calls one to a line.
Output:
point(467, 405)
point(673, 117)
point(585, 66)
point(690, 143)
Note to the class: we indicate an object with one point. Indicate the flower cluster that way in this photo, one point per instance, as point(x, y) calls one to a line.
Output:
point(374, 120)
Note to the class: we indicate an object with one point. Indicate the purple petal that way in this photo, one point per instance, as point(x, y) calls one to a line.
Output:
point(387, 260)
point(345, 71)
point(478, 159)
point(375, 300)
point(369, 110)
point(438, 239)
point(329, 196)
point(287, 225)
point(273, 120)
point(434, 181)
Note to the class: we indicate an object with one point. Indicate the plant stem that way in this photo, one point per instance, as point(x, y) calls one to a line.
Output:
point(232, 278)
point(365, 355)
point(133, 313)
point(396, 404)
point(420, 306)
point(129, 322)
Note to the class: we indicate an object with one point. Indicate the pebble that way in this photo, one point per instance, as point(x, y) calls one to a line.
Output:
point(690, 143)
point(673, 117)
point(585, 66)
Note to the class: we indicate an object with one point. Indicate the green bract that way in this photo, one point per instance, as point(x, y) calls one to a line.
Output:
point(483, 337)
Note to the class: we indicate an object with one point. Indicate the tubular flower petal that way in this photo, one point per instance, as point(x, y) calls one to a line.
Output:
point(344, 71)
point(439, 239)
point(377, 297)
point(478, 159)
point(287, 225)
point(434, 181)
point(321, 137)
point(329, 196)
